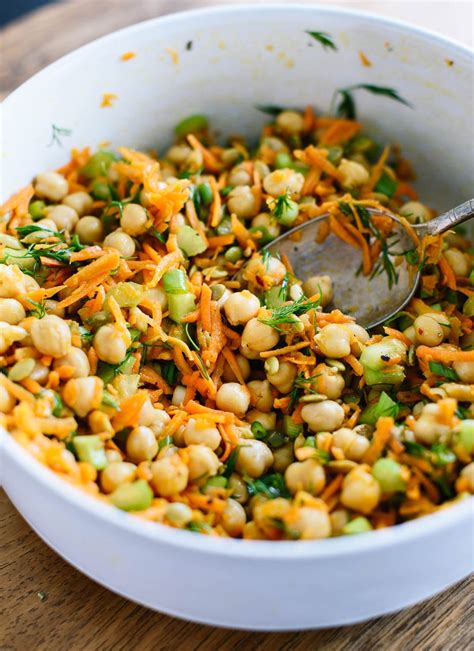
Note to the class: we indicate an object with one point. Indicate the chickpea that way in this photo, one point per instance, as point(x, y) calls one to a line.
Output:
point(51, 185)
point(203, 462)
point(117, 473)
point(415, 212)
point(83, 394)
point(429, 427)
point(240, 307)
point(178, 395)
point(339, 518)
point(239, 176)
point(261, 396)
point(9, 334)
point(282, 181)
point(201, 432)
point(334, 341)
point(428, 330)
point(267, 512)
point(113, 456)
point(282, 457)
point(258, 337)
point(311, 523)
point(141, 444)
point(133, 220)
point(467, 477)
point(316, 284)
point(360, 334)
point(324, 416)
point(252, 532)
point(352, 444)
point(465, 371)
point(178, 514)
point(360, 491)
point(290, 123)
point(47, 224)
point(244, 366)
point(268, 421)
point(11, 311)
point(89, 229)
point(158, 295)
point(77, 359)
point(305, 476)
point(64, 217)
point(458, 262)
point(233, 397)
point(111, 343)
point(328, 381)
point(233, 518)
point(243, 202)
point(353, 174)
point(39, 373)
point(7, 401)
point(283, 379)
point(254, 458)
point(121, 242)
point(178, 154)
point(169, 475)
point(239, 489)
point(12, 281)
point(51, 307)
point(51, 336)
point(264, 220)
point(81, 202)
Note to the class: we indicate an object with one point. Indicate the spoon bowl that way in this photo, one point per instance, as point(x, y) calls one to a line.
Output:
point(371, 299)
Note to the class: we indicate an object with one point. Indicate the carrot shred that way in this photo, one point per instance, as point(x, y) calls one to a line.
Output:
point(381, 437)
point(205, 308)
point(130, 409)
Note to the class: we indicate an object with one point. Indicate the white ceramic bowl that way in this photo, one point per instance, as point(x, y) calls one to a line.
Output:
point(242, 56)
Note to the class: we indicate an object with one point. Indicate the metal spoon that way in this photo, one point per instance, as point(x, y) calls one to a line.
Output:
point(369, 301)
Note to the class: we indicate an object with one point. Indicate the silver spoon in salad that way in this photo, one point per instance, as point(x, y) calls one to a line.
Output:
point(371, 299)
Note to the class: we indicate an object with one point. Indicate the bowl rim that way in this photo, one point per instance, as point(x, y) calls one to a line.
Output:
point(184, 16)
point(455, 515)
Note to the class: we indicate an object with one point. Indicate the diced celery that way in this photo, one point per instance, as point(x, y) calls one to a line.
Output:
point(468, 307)
point(136, 496)
point(90, 448)
point(190, 241)
point(291, 428)
point(282, 160)
point(174, 282)
point(389, 475)
point(466, 435)
point(179, 305)
point(385, 406)
point(357, 525)
point(274, 297)
point(191, 124)
point(126, 294)
point(20, 258)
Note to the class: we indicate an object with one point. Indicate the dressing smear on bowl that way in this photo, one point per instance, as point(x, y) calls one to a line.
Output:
point(154, 356)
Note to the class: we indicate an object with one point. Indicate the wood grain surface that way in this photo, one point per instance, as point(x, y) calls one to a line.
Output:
point(47, 604)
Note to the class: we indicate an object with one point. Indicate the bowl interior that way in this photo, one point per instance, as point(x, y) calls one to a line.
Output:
point(224, 62)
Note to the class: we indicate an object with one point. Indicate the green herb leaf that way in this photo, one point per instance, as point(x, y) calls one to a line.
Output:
point(57, 133)
point(165, 441)
point(285, 314)
point(169, 372)
point(345, 105)
point(269, 109)
point(386, 185)
point(259, 431)
point(443, 371)
point(231, 461)
point(272, 485)
point(324, 38)
point(415, 449)
point(385, 406)
point(442, 455)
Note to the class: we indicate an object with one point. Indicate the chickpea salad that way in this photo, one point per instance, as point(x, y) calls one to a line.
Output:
point(155, 355)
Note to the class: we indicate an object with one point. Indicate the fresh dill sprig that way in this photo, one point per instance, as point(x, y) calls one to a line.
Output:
point(287, 313)
point(324, 38)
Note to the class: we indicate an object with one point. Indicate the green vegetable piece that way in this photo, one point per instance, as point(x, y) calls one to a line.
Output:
point(386, 185)
point(274, 297)
point(98, 164)
point(224, 227)
point(310, 442)
point(360, 145)
point(126, 294)
point(190, 241)
point(36, 209)
point(164, 442)
point(466, 435)
point(218, 481)
point(389, 475)
point(264, 235)
point(442, 455)
point(285, 210)
point(136, 496)
point(290, 428)
point(443, 371)
point(357, 525)
point(205, 193)
point(174, 282)
point(258, 430)
point(101, 191)
point(180, 305)
point(20, 258)
point(471, 277)
point(373, 360)
point(468, 307)
point(335, 154)
point(233, 254)
point(385, 406)
point(191, 124)
point(90, 448)
point(282, 160)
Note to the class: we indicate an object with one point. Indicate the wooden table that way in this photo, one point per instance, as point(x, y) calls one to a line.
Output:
point(46, 604)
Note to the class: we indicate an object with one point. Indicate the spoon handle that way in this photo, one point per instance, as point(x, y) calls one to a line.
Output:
point(447, 220)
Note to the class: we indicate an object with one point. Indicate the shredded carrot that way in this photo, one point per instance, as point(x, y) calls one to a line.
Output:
point(232, 361)
point(444, 355)
point(449, 278)
point(376, 172)
point(285, 350)
point(205, 308)
point(126, 56)
point(220, 240)
point(364, 60)
point(16, 390)
point(210, 161)
point(396, 334)
point(215, 210)
point(332, 488)
point(167, 262)
point(381, 437)
point(130, 409)
point(340, 132)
